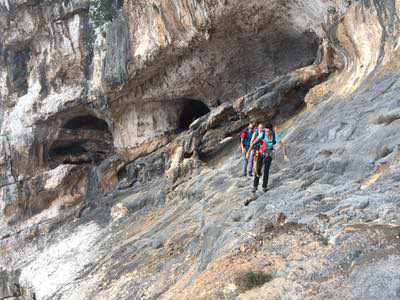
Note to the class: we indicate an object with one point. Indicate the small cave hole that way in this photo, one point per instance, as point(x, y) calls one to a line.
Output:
point(122, 173)
point(191, 110)
point(187, 155)
point(295, 100)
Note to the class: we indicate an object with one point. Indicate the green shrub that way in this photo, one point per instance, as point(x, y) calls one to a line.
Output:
point(252, 280)
point(103, 11)
point(332, 9)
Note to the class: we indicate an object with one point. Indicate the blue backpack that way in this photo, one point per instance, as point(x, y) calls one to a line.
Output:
point(267, 143)
point(273, 135)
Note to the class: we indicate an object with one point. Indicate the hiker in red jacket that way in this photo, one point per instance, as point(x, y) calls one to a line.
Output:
point(245, 141)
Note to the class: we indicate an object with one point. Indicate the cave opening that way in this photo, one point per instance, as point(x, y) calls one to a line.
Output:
point(191, 110)
point(83, 139)
point(73, 148)
point(86, 122)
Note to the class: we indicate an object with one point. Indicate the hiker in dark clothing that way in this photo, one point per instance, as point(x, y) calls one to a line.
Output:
point(265, 140)
point(264, 153)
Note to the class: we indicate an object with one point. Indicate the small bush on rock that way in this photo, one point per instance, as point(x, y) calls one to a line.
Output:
point(251, 280)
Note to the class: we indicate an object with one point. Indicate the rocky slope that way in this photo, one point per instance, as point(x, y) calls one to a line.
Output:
point(111, 191)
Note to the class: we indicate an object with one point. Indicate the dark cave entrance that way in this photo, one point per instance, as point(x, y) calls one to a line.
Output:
point(191, 110)
point(86, 122)
point(83, 139)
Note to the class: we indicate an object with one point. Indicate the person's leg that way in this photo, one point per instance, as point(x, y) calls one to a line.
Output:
point(244, 170)
point(257, 173)
point(256, 182)
point(267, 165)
point(251, 163)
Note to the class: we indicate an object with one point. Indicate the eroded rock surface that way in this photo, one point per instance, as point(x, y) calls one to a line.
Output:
point(120, 171)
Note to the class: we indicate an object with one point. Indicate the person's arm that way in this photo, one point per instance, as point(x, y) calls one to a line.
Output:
point(242, 147)
point(254, 139)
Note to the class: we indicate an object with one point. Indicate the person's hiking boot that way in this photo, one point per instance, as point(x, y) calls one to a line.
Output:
point(252, 198)
point(265, 190)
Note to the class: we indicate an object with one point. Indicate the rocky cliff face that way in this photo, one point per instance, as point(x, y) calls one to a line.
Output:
point(74, 92)
point(119, 167)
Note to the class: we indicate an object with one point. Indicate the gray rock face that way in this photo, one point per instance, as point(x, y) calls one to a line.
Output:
point(9, 285)
point(120, 167)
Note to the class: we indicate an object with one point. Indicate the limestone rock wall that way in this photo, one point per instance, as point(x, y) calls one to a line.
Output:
point(54, 61)
point(366, 43)
point(44, 61)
